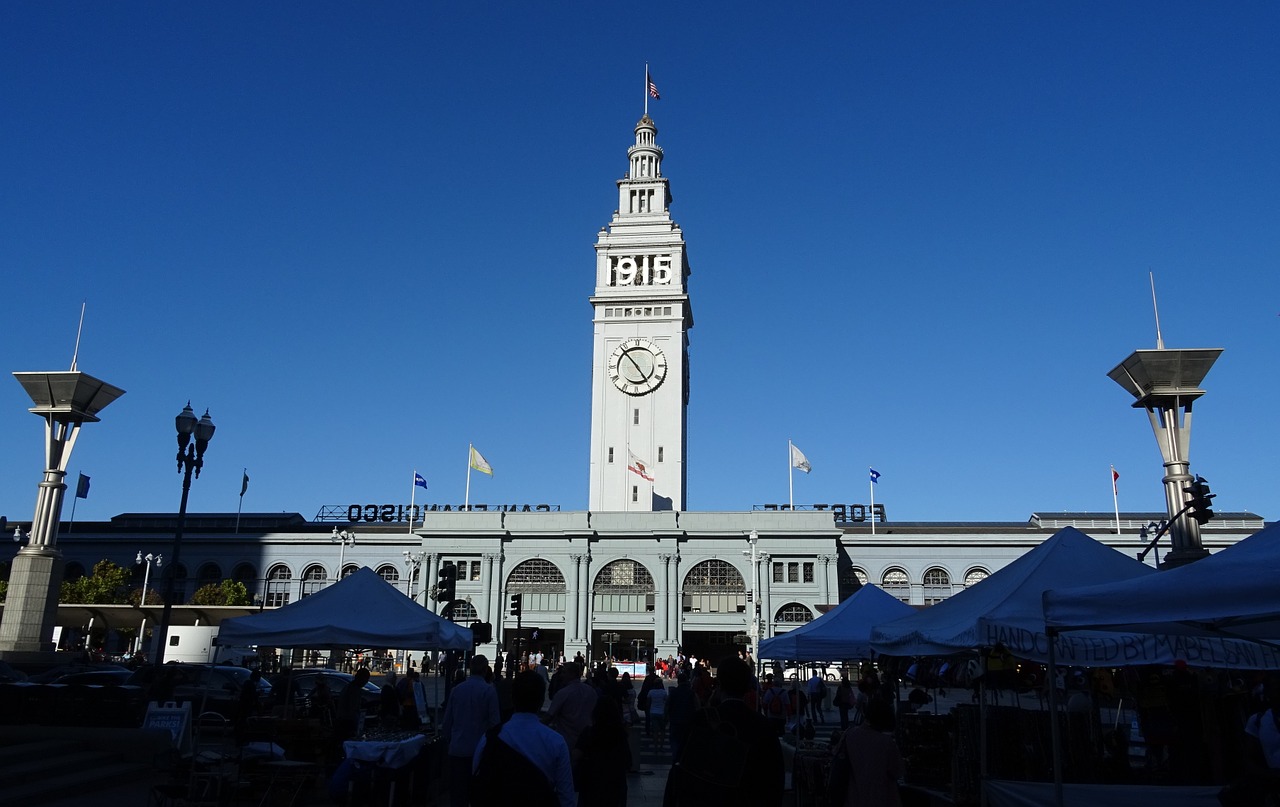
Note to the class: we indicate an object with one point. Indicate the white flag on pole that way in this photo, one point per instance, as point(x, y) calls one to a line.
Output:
point(480, 463)
point(798, 460)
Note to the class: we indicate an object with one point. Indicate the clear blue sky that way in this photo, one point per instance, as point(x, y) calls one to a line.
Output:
point(361, 235)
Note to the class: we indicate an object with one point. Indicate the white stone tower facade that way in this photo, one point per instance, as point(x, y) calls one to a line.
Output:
point(640, 362)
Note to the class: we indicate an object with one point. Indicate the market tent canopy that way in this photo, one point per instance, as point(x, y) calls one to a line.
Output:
point(361, 610)
point(1223, 610)
point(842, 633)
point(1005, 609)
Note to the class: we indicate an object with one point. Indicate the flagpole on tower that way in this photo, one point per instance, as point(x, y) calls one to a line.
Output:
point(466, 499)
point(1115, 496)
point(413, 492)
point(791, 476)
point(872, 486)
point(646, 88)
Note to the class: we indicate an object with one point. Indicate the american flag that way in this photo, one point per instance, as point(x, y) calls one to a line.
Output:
point(653, 88)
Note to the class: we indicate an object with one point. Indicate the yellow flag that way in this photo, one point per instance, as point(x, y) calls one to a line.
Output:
point(479, 463)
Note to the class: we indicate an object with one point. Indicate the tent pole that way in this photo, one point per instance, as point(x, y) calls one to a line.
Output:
point(982, 729)
point(1054, 731)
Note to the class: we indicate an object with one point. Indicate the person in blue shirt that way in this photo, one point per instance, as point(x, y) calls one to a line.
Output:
point(471, 710)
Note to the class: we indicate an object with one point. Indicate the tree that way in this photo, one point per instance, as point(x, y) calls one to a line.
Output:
point(228, 592)
point(108, 584)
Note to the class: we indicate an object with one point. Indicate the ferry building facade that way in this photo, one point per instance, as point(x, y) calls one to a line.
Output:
point(635, 575)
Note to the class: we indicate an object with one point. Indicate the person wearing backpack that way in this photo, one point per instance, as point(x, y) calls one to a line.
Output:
point(732, 754)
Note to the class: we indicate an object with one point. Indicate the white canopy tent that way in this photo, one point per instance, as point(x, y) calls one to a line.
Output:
point(842, 633)
point(360, 611)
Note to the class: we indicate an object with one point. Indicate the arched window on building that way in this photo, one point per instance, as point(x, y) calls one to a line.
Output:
point(793, 613)
point(464, 613)
point(975, 576)
point(389, 573)
point(896, 582)
point(208, 573)
point(542, 584)
point(246, 573)
point(349, 569)
point(623, 585)
point(181, 588)
point(279, 581)
point(860, 575)
point(937, 586)
point(314, 578)
point(715, 587)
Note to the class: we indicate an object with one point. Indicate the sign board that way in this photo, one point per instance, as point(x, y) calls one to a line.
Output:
point(174, 718)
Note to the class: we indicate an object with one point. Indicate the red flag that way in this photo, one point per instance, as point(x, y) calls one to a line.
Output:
point(653, 88)
point(1115, 477)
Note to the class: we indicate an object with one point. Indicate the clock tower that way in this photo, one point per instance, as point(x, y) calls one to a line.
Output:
point(640, 362)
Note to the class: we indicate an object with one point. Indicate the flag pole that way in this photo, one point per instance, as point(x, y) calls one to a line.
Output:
point(646, 88)
point(466, 499)
point(73, 513)
point(1115, 496)
point(240, 506)
point(791, 479)
point(872, 514)
point(413, 491)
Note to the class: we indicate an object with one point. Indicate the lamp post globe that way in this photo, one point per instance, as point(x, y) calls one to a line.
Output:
point(190, 461)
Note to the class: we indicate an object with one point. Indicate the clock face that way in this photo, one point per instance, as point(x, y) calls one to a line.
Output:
point(637, 366)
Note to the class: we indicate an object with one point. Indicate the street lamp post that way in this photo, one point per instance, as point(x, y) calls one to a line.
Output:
point(412, 565)
point(345, 538)
point(146, 581)
point(190, 460)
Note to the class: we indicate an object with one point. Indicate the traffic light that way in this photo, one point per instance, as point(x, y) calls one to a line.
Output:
point(481, 632)
point(1201, 500)
point(446, 589)
point(517, 601)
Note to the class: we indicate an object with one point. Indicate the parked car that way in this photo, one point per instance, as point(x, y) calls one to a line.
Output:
point(301, 685)
point(830, 672)
point(207, 687)
point(54, 673)
point(96, 677)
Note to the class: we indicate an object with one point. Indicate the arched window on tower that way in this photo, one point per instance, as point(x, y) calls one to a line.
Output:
point(937, 586)
point(896, 582)
point(623, 585)
point(716, 587)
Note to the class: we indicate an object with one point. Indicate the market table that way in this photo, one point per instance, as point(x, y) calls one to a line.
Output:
point(390, 750)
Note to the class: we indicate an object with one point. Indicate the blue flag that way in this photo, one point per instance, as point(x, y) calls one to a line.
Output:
point(418, 481)
point(82, 487)
point(875, 475)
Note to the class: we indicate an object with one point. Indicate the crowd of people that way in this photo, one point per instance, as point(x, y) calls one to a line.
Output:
point(577, 727)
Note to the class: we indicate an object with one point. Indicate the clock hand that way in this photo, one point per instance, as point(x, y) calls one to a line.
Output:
point(634, 364)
